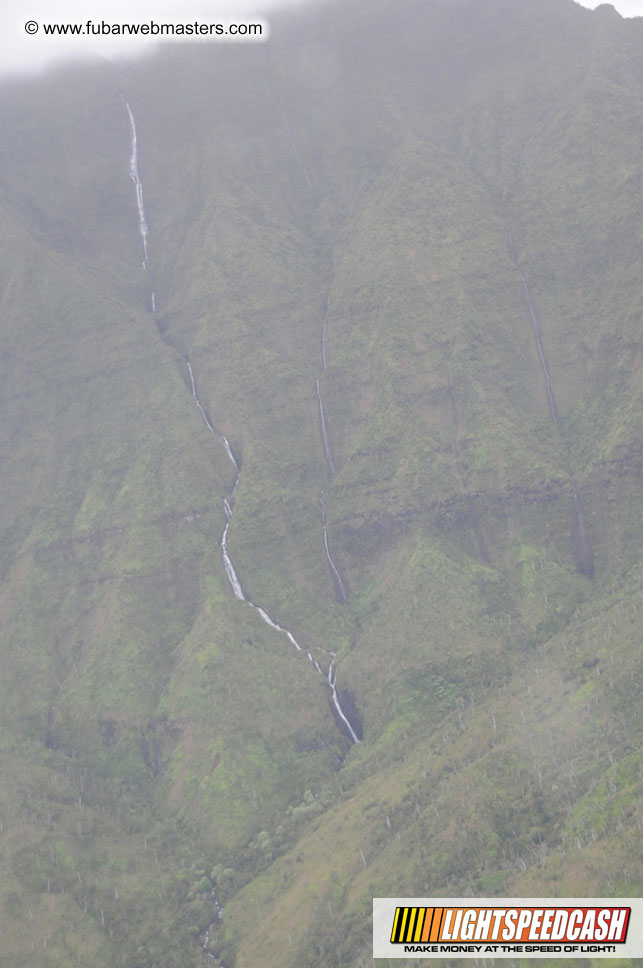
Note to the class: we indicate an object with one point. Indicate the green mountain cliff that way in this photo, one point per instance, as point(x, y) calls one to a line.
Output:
point(419, 223)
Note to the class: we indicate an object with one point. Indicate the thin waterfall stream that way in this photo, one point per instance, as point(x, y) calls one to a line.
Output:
point(134, 175)
point(228, 502)
point(581, 544)
point(222, 437)
point(237, 588)
point(339, 585)
point(338, 582)
point(144, 233)
point(330, 460)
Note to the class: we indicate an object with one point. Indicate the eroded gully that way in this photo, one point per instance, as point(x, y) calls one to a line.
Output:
point(228, 502)
point(581, 545)
point(340, 586)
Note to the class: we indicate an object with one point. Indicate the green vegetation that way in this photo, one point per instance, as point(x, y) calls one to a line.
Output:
point(161, 748)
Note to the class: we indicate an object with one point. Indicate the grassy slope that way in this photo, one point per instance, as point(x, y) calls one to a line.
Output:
point(160, 739)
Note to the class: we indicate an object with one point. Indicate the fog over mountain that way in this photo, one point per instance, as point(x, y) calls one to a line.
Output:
point(321, 449)
point(23, 52)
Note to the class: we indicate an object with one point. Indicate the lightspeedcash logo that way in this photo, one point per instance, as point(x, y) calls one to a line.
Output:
point(527, 927)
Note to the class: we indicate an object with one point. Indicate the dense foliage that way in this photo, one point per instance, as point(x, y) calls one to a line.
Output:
point(354, 180)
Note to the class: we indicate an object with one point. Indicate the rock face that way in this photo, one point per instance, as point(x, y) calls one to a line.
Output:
point(320, 540)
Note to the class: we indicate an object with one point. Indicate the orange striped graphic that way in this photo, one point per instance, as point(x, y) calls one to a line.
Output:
point(416, 925)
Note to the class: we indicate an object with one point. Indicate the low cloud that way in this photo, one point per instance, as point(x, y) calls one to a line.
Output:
point(25, 47)
point(627, 8)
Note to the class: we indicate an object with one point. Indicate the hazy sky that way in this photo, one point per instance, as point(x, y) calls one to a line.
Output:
point(22, 51)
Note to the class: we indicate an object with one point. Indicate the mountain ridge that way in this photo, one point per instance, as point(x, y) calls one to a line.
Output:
point(331, 228)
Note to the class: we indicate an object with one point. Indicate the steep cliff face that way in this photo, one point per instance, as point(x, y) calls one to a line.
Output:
point(321, 455)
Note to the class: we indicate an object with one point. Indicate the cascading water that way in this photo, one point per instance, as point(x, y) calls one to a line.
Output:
point(341, 592)
point(230, 571)
point(138, 185)
point(237, 589)
point(143, 230)
point(233, 579)
point(332, 672)
point(581, 544)
point(332, 676)
point(338, 583)
point(332, 469)
point(133, 173)
point(222, 437)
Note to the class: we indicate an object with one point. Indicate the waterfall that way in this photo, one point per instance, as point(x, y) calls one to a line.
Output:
point(237, 588)
point(222, 437)
point(233, 579)
point(228, 566)
point(340, 587)
point(337, 578)
point(332, 676)
point(322, 419)
point(133, 173)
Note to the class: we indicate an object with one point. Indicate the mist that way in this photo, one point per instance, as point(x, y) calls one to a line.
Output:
point(22, 52)
point(26, 49)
